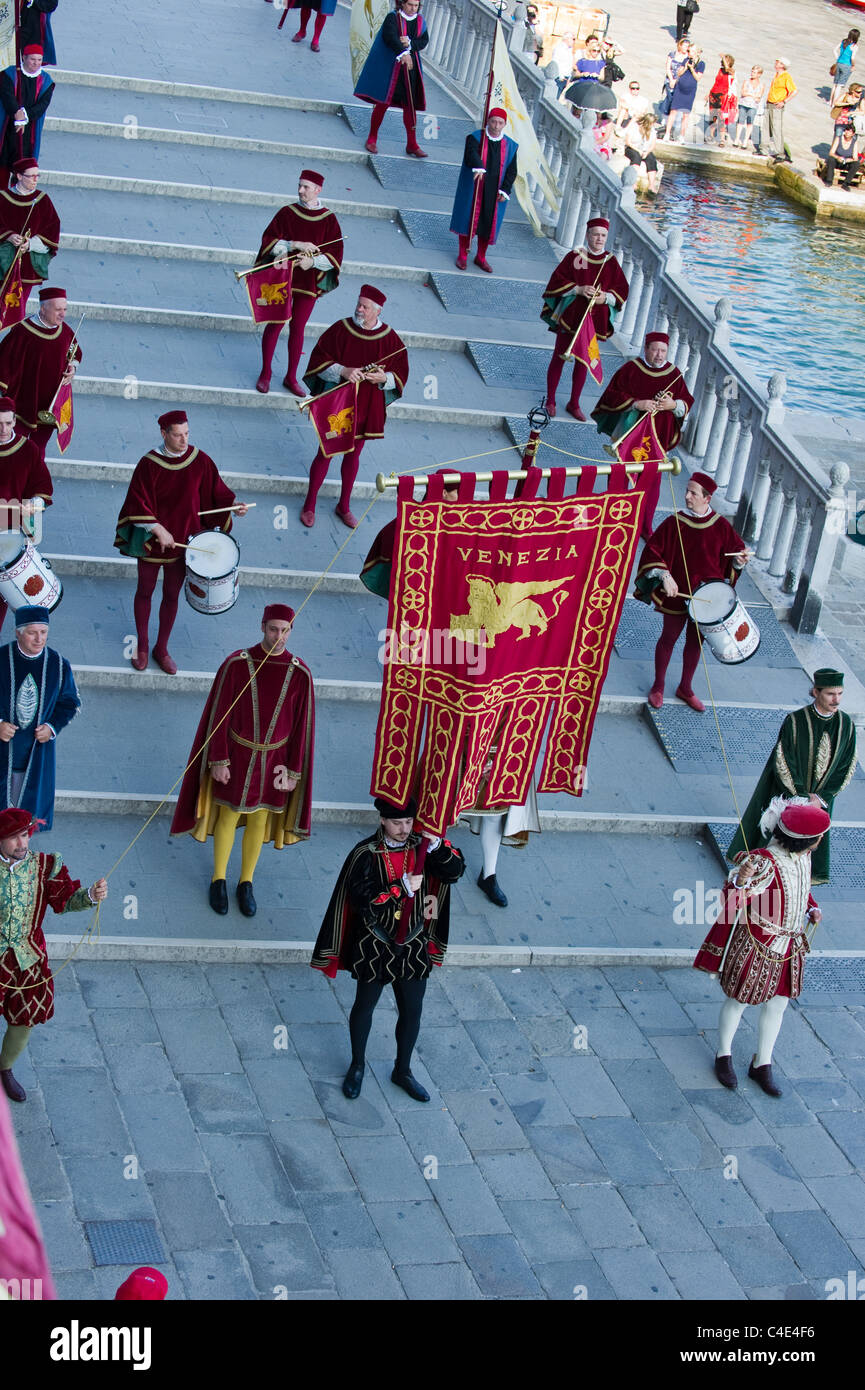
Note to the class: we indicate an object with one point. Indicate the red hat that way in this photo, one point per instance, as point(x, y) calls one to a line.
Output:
point(13, 820)
point(705, 482)
point(143, 1284)
point(312, 177)
point(33, 48)
point(370, 292)
point(52, 292)
point(598, 222)
point(657, 338)
point(22, 165)
point(172, 417)
point(499, 111)
point(6, 403)
point(804, 822)
point(278, 612)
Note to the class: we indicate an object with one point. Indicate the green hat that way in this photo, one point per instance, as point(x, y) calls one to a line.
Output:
point(825, 677)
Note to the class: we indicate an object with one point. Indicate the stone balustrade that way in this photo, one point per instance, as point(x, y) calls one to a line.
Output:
point(779, 497)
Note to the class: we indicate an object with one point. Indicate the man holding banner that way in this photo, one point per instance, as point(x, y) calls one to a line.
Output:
point(486, 178)
point(583, 294)
point(309, 231)
point(38, 359)
point(392, 74)
point(29, 238)
point(357, 368)
point(642, 411)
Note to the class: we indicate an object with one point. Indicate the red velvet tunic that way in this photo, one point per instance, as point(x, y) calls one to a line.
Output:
point(704, 540)
point(23, 474)
point(563, 310)
point(32, 362)
point(349, 345)
point(267, 737)
point(296, 223)
point(636, 381)
point(173, 491)
point(37, 213)
point(26, 983)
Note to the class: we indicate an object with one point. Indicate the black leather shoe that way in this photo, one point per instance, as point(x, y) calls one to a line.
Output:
point(353, 1080)
point(410, 1086)
point(725, 1074)
point(490, 886)
point(245, 901)
point(12, 1088)
point(764, 1079)
point(219, 896)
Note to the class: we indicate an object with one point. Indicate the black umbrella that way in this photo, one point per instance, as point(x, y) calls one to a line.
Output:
point(591, 96)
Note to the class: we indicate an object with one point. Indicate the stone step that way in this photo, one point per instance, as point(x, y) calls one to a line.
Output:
point(190, 91)
point(131, 129)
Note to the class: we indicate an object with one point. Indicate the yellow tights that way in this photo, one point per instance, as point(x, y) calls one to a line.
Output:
point(223, 842)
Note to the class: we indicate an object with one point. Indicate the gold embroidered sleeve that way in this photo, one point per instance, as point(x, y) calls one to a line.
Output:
point(782, 771)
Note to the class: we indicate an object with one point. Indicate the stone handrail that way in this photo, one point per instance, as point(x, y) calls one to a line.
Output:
point(789, 510)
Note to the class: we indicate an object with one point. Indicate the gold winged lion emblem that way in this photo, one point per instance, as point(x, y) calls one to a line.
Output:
point(273, 294)
point(340, 422)
point(493, 608)
point(643, 450)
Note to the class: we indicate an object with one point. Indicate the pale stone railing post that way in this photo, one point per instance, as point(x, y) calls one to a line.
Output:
point(820, 552)
point(781, 549)
point(772, 514)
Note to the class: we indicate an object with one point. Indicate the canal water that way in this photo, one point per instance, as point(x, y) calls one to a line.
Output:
point(797, 285)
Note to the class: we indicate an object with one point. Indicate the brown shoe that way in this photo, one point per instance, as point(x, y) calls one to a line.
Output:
point(764, 1078)
point(725, 1074)
point(12, 1088)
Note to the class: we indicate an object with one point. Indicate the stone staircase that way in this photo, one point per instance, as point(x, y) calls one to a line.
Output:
point(163, 189)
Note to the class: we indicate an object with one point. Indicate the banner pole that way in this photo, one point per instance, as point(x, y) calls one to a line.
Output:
point(670, 465)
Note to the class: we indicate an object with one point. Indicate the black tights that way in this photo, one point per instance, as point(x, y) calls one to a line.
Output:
point(409, 1002)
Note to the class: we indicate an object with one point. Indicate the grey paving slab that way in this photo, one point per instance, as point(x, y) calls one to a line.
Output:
point(701, 1275)
point(501, 1044)
point(385, 1169)
point(829, 1095)
point(847, 1131)
point(587, 1087)
point(545, 1230)
point(63, 1235)
point(189, 1213)
point(755, 1255)
point(474, 995)
point(144, 1068)
point(432, 1134)
point(484, 1120)
point(574, 1279)
point(364, 1274)
point(256, 1030)
point(500, 1267)
point(339, 1220)
point(412, 1232)
point(728, 1117)
point(813, 1242)
point(222, 1104)
point(108, 1188)
point(367, 1115)
point(163, 1134)
point(74, 1047)
point(516, 1175)
point(533, 1097)
point(721, 1201)
point(197, 1040)
point(446, 1283)
point(636, 1273)
point(282, 1088)
point(452, 1059)
point(310, 1156)
point(772, 1181)
point(74, 1092)
point(46, 1175)
point(612, 1034)
point(566, 1153)
point(249, 1177)
point(111, 985)
point(282, 1257)
point(215, 1275)
point(656, 1012)
point(840, 1031)
point(682, 1146)
point(688, 1059)
point(648, 1090)
point(177, 985)
point(842, 1200)
point(468, 1205)
point(624, 1150)
point(666, 1218)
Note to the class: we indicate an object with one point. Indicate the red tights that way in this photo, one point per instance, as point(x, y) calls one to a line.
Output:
point(465, 244)
point(378, 114)
point(557, 366)
point(318, 472)
point(670, 634)
point(301, 307)
point(320, 21)
point(173, 575)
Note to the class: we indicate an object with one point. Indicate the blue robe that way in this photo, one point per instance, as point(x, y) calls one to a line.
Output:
point(49, 696)
point(379, 80)
point(18, 88)
point(464, 200)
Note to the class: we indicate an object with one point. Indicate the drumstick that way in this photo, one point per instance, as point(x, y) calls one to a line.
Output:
point(202, 549)
point(213, 510)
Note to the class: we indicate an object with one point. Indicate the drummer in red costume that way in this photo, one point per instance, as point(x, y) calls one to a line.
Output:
point(26, 208)
point(33, 363)
point(252, 758)
point(169, 489)
point(647, 385)
point(586, 276)
point(308, 227)
point(24, 480)
point(688, 549)
point(341, 354)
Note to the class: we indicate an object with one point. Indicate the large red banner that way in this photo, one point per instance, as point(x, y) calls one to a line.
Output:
point(501, 620)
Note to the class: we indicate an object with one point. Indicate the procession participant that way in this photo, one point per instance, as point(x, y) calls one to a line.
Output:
point(645, 385)
point(252, 758)
point(25, 93)
point(29, 884)
point(767, 902)
point(35, 27)
point(26, 209)
point(364, 932)
point(815, 756)
point(365, 350)
point(37, 357)
point(688, 549)
point(393, 75)
point(487, 176)
point(169, 490)
point(314, 274)
point(38, 698)
point(323, 10)
point(586, 275)
point(25, 482)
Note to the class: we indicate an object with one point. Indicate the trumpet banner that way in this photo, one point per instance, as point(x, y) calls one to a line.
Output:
point(269, 294)
point(334, 415)
point(65, 416)
point(640, 444)
point(501, 621)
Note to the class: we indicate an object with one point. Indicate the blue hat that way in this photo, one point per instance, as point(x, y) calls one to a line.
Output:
point(30, 614)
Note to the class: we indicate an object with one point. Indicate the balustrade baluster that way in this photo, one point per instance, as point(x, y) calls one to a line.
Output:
point(781, 548)
point(772, 514)
point(740, 460)
point(728, 446)
point(756, 504)
point(804, 519)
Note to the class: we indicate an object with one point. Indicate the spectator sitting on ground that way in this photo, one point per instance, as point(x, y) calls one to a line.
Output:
point(640, 140)
point(845, 62)
point(750, 101)
point(563, 57)
point(842, 156)
point(842, 113)
point(603, 133)
point(591, 62)
point(631, 105)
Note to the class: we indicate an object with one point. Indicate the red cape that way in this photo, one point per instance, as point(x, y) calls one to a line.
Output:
point(23, 473)
point(579, 268)
point(705, 541)
point(38, 214)
point(294, 223)
point(32, 361)
point(172, 491)
point(636, 381)
point(257, 701)
point(351, 346)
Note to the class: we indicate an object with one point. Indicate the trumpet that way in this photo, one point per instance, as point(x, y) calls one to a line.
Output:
point(47, 417)
point(293, 256)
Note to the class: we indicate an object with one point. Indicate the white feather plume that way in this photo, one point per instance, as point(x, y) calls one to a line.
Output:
point(776, 808)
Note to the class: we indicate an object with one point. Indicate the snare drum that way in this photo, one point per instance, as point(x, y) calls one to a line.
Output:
point(212, 564)
point(725, 624)
point(25, 576)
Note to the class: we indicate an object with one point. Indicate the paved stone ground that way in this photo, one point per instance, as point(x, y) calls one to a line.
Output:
point(213, 1110)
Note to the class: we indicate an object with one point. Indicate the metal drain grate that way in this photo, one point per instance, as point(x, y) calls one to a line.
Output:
point(125, 1242)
